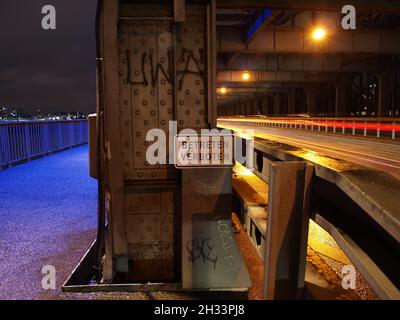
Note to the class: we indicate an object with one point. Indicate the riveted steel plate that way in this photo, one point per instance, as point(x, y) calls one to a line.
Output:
point(150, 234)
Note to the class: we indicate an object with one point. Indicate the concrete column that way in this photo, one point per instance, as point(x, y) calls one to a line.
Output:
point(385, 94)
point(292, 101)
point(343, 97)
point(277, 103)
point(312, 100)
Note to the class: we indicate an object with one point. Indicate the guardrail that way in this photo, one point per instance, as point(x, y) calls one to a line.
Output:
point(24, 140)
point(388, 128)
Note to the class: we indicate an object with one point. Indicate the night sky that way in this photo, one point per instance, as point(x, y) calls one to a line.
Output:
point(50, 69)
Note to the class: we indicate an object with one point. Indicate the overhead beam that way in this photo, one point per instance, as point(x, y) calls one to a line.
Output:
point(299, 40)
point(262, 21)
point(307, 62)
point(385, 6)
point(276, 76)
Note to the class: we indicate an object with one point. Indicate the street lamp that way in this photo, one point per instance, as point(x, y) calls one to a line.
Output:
point(245, 76)
point(318, 34)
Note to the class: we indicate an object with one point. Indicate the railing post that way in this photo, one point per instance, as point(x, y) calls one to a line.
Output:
point(28, 151)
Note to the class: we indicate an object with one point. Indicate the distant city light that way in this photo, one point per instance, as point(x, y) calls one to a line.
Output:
point(319, 34)
point(222, 90)
point(245, 75)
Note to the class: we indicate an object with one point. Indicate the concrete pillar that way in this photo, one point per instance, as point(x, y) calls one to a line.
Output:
point(292, 101)
point(312, 100)
point(277, 104)
point(249, 107)
point(343, 97)
point(384, 94)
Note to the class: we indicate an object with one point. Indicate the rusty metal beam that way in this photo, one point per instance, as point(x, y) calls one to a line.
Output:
point(287, 229)
point(299, 40)
point(179, 11)
point(276, 76)
point(307, 63)
point(385, 6)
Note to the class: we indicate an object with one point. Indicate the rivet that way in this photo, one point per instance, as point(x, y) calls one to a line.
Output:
point(140, 174)
point(126, 144)
point(162, 60)
point(126, 102)
point(145, 143)
point(201, 91)
point(153, 174)
point(197, 82)
point(201, 112)
point(181, 102)
point(170, 111)
point(169, 91)
point(153, 113)
point(152, 92)
point(137, 112)
point(127, 123)
point(136, 92)
point(196, 40)
point(144, 102)
point(197, 121)
point(197, 101)
point(163, 122)
point(137, 72)
point(138, 154)
point(181, 122)
point(127, 164)
point(163, 81)
point(138, 134)
point(187, 111)
point(162, 102)
point(125, 81)
point(146, 122)
point(187, 91)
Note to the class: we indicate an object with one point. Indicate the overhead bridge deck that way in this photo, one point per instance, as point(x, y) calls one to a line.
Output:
point(367, 169)
point(356, 186)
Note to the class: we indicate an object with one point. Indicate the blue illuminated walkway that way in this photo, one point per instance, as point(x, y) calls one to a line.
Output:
point(47, 217)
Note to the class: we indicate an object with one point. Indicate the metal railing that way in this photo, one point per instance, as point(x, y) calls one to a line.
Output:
point(388, 128)
point(24, 140)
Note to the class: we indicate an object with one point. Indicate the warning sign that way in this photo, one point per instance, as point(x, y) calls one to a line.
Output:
point(212, 150)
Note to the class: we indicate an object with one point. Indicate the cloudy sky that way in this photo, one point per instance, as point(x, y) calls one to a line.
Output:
point(50, 69)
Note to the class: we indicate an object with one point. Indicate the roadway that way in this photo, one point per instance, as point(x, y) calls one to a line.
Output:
point(378, 154)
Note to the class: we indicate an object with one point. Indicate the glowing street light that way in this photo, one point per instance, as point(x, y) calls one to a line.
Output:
point(245, 75)
point(222, 90)
point(319, 34)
